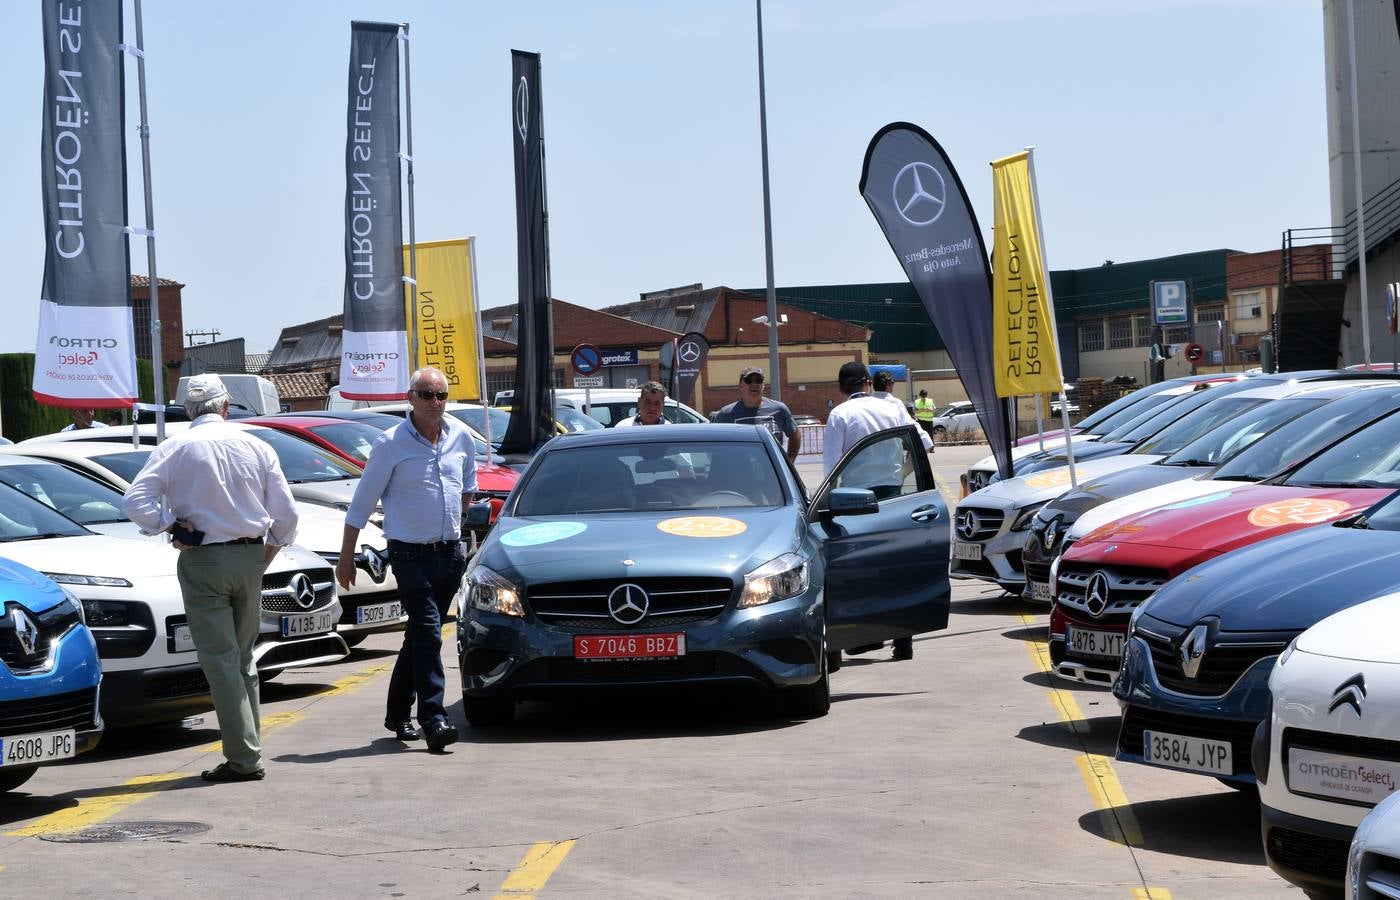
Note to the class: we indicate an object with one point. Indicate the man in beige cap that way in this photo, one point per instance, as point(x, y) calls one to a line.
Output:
point(221, 495)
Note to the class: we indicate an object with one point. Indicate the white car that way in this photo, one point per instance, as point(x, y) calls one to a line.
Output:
point(371, 605)
point(612, 405)
point(958, 419)
point(131, 597)
point(1373, 863)
point(1332, 748)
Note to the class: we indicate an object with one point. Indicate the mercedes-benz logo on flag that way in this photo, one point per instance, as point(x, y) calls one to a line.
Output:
point(522, 108)
point(628, 604)
point(920, 193)
point(1349, 693)
point(1096, 594)
point(302, 591)
point(26, 631)
point(1193, 651)
point(690, 352)
point(968, 523)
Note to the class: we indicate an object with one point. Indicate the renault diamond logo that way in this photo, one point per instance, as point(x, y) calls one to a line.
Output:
point(302, 591)
point(690, 352)
point(628, 604)
point(522, 108)
point(1349, 693)
point(919, 193)
point(1051, 534)
point(374, 563)
point(1096, 594)
point(1193, 651)
point(26, 631)
point(968, 523)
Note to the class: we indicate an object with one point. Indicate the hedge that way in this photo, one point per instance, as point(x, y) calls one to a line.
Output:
point(21, 416)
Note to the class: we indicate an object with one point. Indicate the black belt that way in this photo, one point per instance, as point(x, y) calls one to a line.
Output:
point(256, 540)
point(435, 547)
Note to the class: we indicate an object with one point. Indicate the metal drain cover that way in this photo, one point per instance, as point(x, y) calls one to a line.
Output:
point(115, 832)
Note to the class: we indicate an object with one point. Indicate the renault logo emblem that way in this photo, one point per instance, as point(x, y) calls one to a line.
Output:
point(968, 523)
point(1193, 651)
point(374, 563)
point(919, 193)
point(1096, 594)
point(1349, 693)
point(302, 591)
point(628, 604)
point(1051, 534)
point(26, 631)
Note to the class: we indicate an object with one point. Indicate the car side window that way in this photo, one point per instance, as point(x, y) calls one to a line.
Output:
point(888, 466)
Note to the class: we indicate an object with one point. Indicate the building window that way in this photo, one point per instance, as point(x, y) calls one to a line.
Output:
point(1142, 327)
point(1210, 313)
point(1090, 335)
point(1246, 305)
point(141, 322)
point(1120, 332)
point(504, 380)
point(1178, 334)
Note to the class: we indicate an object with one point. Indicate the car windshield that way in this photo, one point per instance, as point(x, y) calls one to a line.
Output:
point(302, 461)
point(1369, 458)
point(1124, 409)
point(1386, 516)
point(126, 465)
point(1284, 448)
point(351, 438)
point(22, 518)
point(475, 417)
point(76, 496)
point(1152, 421)
point(574, 420)
point(1241, 431)
point(1204, 420)
point(651, 475)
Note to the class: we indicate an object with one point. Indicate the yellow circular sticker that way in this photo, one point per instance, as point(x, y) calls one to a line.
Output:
point(1052, 478)
point(1301, 511)
point(702, 526)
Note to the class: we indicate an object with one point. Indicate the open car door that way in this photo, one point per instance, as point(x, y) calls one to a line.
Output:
point(886, 554)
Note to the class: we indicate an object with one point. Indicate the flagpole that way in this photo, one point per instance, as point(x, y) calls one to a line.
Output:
point(775, 379)
point(1049, 296)
point(412, 278)
point(1356, 177)
point(149, 232)
point(480, 349)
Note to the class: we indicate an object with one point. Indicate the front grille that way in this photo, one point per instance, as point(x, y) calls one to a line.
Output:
point(1317, 855)
point(1240, 734)
point(48, 628)
point(278, 594)
point(988, 523)
point(672, 602)
point(979, 567)
point(1127, 588)
point(56, 712)
point(1220, 667)
point(1036, 571)
point(169, 685)
point(298, 651)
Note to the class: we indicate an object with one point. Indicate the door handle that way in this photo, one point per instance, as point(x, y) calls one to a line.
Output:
point(924, 514)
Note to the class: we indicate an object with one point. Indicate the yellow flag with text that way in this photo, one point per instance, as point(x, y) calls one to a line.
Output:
point(446, 315)
point(1023, 312)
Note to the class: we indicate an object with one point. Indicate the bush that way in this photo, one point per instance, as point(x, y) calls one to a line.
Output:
point(21, 416)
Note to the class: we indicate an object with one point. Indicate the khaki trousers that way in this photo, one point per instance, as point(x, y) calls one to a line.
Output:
point(222, 588)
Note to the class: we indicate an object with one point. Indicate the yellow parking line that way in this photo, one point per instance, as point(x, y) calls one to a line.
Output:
point(91, 810)
point(534, 869)
point(1152, 893)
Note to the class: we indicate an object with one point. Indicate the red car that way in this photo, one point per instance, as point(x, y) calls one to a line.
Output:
point(350, 436)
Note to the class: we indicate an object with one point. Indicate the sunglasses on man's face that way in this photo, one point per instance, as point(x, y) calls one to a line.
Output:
point(754, 379)
point(440, 396)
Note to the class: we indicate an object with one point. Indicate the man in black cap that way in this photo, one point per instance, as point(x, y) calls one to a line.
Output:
point(752, 408)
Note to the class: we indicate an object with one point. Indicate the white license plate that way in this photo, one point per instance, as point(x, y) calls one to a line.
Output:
point(311, 623)
point(1353, 778)
point(964, 550)
point(379, 612)
point(1177, 751)
point(1107, 644)
point(1040, 591)
point(184, 642)
point(28, 749)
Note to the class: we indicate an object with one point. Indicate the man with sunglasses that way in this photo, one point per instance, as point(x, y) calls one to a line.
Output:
point(421, 469)
point(752, 408)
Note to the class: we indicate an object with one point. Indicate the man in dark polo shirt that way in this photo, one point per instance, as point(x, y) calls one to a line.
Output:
point(752, 408)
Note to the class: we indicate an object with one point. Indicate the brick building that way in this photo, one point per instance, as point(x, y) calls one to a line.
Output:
point(172, 325)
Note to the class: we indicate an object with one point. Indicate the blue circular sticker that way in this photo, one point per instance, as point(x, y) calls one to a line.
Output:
point(542, 533)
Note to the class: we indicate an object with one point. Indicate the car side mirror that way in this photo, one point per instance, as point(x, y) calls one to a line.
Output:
point(851, 502)
point(477, 515)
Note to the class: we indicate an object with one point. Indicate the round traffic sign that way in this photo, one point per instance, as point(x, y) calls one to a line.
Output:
point(586, 359)
point(1195, 352)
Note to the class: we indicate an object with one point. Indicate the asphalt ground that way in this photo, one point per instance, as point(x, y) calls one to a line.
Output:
point(961, 773)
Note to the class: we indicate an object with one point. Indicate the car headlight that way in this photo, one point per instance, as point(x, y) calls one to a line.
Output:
point(98, 580)
point(1137, 614)
point(490, 591)
point(1023, 519)
point(76, 604)
point(777, 579)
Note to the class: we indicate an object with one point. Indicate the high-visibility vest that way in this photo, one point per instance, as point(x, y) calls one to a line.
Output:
point(923, 409)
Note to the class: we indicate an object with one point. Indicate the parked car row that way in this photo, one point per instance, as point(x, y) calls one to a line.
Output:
point(1226, 561)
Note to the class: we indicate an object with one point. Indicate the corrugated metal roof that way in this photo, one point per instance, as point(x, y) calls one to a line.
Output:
point(679, 313)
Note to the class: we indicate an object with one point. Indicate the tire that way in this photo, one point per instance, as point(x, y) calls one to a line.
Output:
point(810, 701)
point(833, 661)
point(483, 713)
point(13, 778)
point(939, 432)
point(904, 648)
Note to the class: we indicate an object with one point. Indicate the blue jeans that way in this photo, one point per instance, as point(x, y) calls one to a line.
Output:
point(428, 580)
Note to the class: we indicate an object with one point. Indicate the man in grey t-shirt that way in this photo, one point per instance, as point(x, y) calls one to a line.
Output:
point(752, 408)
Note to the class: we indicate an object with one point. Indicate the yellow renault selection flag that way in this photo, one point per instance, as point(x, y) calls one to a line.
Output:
point(1023, 312)
point(446, 314)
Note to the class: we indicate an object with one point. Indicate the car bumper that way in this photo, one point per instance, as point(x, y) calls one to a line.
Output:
point(1082, 668)
point(39, 712)
point(352, 603)
point(1000, 562)
point(774, 646)
point(1309, 853)
point(149, 696)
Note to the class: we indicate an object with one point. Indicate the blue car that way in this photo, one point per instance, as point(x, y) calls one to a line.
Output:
point(1194, 684)
point(49, 676)
point(693, 555)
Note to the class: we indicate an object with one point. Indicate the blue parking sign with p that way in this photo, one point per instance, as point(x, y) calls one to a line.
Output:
point(1169, 302)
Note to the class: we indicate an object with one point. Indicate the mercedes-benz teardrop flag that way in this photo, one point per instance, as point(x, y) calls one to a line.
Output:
point(917, 198)
point(691, 352)
point(85, 354)
point(374, 344)
point(532, 409)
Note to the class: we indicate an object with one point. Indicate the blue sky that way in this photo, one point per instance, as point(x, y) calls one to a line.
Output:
point(1160, 128)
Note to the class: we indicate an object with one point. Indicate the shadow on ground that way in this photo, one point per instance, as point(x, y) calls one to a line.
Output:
point(1222, 826)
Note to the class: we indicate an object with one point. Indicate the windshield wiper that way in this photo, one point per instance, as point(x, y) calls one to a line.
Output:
point(1238, 478)
point(1190, 462)
point(1334, 484)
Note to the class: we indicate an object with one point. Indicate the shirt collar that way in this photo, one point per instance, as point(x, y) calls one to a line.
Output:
point(206, 419)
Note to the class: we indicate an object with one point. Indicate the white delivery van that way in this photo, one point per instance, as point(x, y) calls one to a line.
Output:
point(252, 392)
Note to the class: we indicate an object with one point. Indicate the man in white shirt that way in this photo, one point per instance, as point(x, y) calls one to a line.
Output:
point(650, 403)
point(222, 496)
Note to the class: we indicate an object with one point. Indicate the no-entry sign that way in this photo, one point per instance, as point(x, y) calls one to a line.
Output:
point(586, 359)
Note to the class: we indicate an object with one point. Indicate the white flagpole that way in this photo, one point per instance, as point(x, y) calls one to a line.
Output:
point(149, 233)
point(1048, 294)
point(412, 278)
